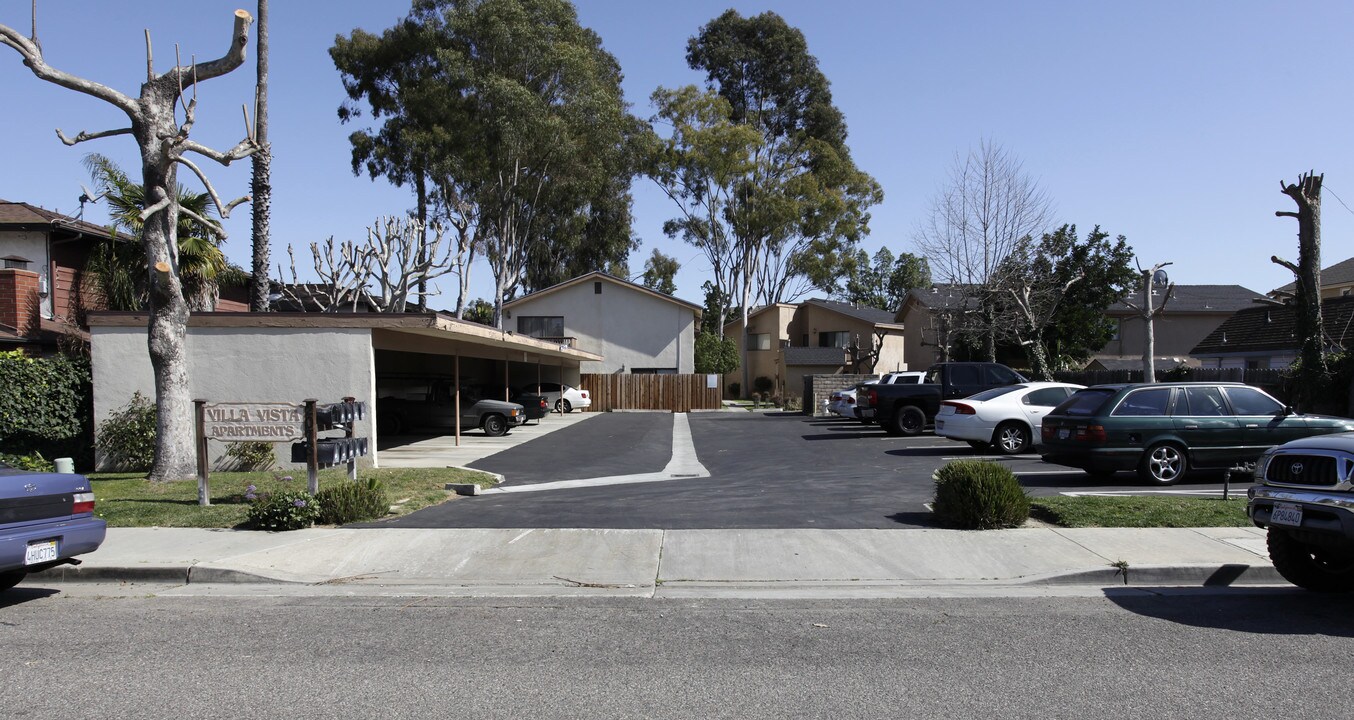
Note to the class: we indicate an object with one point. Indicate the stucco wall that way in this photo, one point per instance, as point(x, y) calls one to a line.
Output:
point(629, 328)
point(244, 365)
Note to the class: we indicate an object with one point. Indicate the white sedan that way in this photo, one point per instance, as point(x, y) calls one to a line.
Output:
point(1006, 419)
point(572, 396)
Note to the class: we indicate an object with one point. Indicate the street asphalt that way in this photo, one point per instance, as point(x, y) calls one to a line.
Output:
point(725, 504)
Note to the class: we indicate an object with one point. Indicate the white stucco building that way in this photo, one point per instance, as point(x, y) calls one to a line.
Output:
point(635, 329)
point(292, 357)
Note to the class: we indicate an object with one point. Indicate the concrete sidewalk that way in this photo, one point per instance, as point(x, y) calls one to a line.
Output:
point(679, 563)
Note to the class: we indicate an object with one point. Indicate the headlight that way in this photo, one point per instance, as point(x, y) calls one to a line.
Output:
point(1262, 465)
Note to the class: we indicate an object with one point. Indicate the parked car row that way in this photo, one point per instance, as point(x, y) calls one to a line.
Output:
point(413, 405)
point(1164, 432)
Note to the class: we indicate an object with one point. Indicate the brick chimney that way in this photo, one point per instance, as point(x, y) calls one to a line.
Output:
point(19, 301)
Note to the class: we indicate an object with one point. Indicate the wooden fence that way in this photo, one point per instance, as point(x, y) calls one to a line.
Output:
point(677, 393)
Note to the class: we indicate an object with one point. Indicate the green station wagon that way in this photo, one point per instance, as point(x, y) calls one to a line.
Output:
point(1166, 430)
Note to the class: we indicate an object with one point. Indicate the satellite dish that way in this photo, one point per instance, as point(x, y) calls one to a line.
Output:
point(1159, 279)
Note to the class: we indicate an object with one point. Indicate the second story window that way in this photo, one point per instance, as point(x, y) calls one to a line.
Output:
point(839, 339)
point(759, 341)
point(540, 326)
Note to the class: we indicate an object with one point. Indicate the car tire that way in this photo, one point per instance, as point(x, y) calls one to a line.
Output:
point(10, 579)
point(495, 425)
point(1163, 464)
point(1311, 567)
point(1012, 438)
point(563, 405)
point(910, 420)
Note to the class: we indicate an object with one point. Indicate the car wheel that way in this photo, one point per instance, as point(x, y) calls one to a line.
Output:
point(1311, 567)
point(568, 406)
point(389, 424)
point(1012, 438)
point(495, 425)
point(978, 445)
point(1163, 464)
point(911, 420)
point(10, 579)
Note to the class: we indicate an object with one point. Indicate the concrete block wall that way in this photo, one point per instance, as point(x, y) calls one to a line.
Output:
point(817, 388)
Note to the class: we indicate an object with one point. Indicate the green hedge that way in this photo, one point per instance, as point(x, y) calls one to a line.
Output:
point(45, 404)
point(979, 495)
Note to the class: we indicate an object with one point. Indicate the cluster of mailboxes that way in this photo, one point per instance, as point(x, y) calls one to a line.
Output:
point(330, 451)
point(334, 451)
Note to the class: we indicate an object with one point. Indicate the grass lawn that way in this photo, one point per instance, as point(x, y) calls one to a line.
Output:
point(1141, 512)
point(129, 500)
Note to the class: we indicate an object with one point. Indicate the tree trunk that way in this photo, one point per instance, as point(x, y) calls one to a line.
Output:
point(1149, 348)
point(168, 327)
point(261, 186)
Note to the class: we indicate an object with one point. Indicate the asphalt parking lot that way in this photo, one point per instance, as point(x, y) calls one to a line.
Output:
point(767, 470)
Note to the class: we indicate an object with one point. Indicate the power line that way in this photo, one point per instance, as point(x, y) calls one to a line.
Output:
point(1337, 197)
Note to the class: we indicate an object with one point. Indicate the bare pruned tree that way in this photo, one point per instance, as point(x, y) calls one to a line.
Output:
point(161, 118)
point(975, 221)
point(388, 272)
point(1033, 288)
point(1149, 314)
point(1306, 193)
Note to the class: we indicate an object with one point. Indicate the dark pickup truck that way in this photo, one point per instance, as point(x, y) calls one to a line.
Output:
point(908, 409)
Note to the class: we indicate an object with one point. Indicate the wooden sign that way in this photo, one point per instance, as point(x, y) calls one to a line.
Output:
point(241, 422)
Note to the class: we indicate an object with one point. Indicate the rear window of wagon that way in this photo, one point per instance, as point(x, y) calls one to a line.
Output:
point(1084, 402)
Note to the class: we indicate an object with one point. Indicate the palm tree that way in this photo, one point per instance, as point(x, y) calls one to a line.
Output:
point(120, 266)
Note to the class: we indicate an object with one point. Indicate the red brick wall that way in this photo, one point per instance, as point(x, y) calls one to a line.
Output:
point(19, 302)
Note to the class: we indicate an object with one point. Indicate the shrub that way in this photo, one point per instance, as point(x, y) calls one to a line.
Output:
point(352, 502)
point(763, 385)
point(286, 510)
point(735, 389)
point(31, 461)
point(45, 404)
point(979, 495)
point(127, 437)
point(250, 455)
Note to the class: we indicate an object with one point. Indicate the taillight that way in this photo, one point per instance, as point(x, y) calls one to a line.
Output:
point(542, 403)
point(84, 503)
point(850, 401)
point(959, 408)
point(874, 397)
point(1091, 433)
point(584, 393)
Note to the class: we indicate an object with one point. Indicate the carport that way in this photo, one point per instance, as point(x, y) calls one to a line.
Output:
point(288, 357)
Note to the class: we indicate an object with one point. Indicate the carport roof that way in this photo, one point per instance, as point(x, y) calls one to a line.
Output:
point(429, 324)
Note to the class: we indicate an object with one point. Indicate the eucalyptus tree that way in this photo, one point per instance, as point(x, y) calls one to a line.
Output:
point(659, 271)
point(161, 118)
point(802, 204)
point(699, 164)
point(507, 112)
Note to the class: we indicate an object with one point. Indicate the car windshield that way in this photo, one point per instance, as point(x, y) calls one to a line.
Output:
point(1084, 402)
point(995, 392)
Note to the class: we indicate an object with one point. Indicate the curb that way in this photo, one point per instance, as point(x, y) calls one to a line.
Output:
point(177, 574)
point(1173, 575)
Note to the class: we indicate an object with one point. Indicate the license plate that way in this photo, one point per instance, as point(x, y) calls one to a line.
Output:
point(1064, 433)
point(40, 552)
point(1286, 514)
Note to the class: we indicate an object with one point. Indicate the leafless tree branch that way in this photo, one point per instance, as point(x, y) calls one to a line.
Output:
point(87, 136)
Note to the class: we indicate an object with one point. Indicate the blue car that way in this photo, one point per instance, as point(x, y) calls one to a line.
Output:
point(46, 519)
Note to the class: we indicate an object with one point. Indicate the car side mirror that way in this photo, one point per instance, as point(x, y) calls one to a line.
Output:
point(1287, 410)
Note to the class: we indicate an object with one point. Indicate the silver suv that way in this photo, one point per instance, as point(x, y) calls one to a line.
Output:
point(1305, 497)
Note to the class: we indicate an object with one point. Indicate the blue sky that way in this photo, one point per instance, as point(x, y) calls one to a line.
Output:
point(1171, 123)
